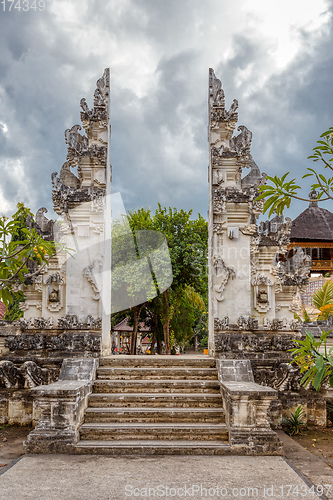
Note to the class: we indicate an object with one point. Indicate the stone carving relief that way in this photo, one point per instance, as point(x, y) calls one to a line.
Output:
point(295, 270)
point(222, 274)
point(33, 374)
point(296, 305)
point(280, 376)
point(43, 226)
point(262, 296)
point(28, 376)
point(218, 227)
point(247, 323)
point(218, 177)
point(67, 177)
point(221, 324)
point(75, 140)
point(89, 273)
point(218, 112)
point(55, 292)
point(98, 228)
point(98, 201)
point(242, 142)
point(248, 230)
point(9, 375)
point(35, 323)
point(71, 321)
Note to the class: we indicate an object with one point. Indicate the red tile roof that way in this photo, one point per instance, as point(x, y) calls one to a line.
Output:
point(124, 327)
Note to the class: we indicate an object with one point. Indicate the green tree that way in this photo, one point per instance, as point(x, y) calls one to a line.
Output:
point(187, 307)
point(23, 253)
point(187, 241)
point(281, 191)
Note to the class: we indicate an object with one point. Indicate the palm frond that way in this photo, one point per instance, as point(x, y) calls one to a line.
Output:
point(324, 295)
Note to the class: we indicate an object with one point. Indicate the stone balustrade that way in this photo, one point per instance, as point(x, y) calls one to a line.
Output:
point(246, 405)
point(59, 407)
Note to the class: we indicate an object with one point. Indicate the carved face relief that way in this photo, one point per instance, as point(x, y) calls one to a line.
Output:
point(262, 296)
point(262, 292)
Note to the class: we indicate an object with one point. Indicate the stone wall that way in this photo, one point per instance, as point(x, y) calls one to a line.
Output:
point(270, 361)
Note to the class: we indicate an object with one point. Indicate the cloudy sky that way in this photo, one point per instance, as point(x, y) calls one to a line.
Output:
point(274, 57)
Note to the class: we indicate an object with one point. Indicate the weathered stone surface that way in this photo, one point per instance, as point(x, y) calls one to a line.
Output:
point(255, 345)
point(55, 343)
point(60, 407)
point(247, 405)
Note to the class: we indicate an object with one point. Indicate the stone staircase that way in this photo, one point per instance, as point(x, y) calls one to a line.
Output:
point(155, 405)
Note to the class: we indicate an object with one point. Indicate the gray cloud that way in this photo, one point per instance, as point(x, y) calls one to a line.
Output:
point(159, 54)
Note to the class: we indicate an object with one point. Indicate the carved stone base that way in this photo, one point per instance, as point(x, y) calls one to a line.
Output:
point(270, 361)
point(60, 408)
point(55, 343)
point(258, 344)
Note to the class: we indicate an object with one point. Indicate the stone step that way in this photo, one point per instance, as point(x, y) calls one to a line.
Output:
point(154, 415)
point(148, 373)
point(171, 431)
point(159, 400)
point(169, 386)
point(158, 361)
point(153, 447)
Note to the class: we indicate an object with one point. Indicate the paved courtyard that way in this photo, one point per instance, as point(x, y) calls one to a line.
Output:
point(55, 477)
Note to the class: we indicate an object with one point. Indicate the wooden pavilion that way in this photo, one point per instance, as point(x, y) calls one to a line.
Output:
point(312, 230)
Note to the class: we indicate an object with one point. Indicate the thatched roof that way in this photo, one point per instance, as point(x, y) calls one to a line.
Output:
point(314, 224)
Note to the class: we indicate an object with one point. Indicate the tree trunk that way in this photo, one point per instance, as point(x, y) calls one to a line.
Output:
point(166, 324)
point(153, 340)
point(159, 345)
point(136, 312)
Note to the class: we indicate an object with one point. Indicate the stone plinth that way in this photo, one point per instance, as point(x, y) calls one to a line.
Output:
point(246, 406)
point(60, 407)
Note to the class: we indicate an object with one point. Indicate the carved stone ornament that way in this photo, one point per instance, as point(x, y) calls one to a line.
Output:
point(216, 93)
point(218, 227)
point(89, 273)
point(242, 142)
point(35, 323)
point(33, 374)
point(55, 278)
point(263, 292)
point(75, 140)
point(28, 376)
point(221, 324)
point(71, 321)
point(248, 230)
point(247, 323)
point(222, 276)
point(295, 270)
point(9, 375)
point(55, 292)
point(296, 305)
point(280, 376)
point(262, 279)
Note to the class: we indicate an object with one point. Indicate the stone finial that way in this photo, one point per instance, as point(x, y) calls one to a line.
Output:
point(218, 111)
point(313, 197)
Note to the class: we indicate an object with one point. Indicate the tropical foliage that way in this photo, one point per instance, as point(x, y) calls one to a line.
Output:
point(175, 312)
point(280, 192)
point(314, 360)
point(23, 252)
point(323, 300)
point(295, 422)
